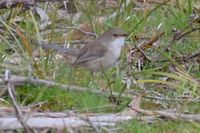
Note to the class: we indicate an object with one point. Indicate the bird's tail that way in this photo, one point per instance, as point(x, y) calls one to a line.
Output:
point(61, 50)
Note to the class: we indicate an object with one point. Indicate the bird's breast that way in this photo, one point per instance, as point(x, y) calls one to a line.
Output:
point(114, 53)
point(115, 48)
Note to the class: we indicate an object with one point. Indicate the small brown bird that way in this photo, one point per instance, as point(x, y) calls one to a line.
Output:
point(97, 54)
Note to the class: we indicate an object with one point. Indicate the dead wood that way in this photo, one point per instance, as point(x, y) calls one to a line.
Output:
point(169, 115)
point(24, 3)
point(63, 122)
point(18, 80)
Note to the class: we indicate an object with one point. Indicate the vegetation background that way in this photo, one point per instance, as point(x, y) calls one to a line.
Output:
point(160, 62)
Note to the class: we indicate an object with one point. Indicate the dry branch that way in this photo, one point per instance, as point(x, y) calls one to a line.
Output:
point(169, 115)
point(12, 94)
point(18, 80)
point(64, 122)
point(78, 29)
point(21, 80)
point(25, 3)
point(14, 3)
point(70, 120)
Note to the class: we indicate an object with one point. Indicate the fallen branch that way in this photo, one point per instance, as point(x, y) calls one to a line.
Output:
point(64, 122)
point(21, 80)
point(18, 80)
point(25, 3)
point(14, 3)
point(169, 115)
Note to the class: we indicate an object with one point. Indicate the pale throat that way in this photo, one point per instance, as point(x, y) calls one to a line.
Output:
point(116, 46)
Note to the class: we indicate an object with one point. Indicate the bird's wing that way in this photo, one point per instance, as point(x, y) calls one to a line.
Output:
point(90, 52)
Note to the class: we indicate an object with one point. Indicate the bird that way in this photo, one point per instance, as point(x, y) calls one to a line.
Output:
point(98, 54)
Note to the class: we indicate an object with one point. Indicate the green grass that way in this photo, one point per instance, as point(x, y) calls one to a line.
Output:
point(160, 127)
point(58, 100)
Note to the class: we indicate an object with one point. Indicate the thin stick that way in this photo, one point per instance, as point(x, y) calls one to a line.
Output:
point(16, 106)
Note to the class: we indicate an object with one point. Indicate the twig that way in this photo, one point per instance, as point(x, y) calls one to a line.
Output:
point(179, 36)
point(186, 33)
point(21, 80)
point(143, 53)
point(189, 57)
point(16, 106)
point(79, 29)
point(25, 3)
point(170, 115)
point(14, 3)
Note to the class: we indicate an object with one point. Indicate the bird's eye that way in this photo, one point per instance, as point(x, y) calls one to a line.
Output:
point(115, 35)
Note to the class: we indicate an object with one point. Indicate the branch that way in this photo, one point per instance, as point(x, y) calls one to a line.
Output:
point(12, 95)
point(14, 3)
point(25, 3)
point(170, 115)
point(79, 29)
point(21, 80)
point(63, 122)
